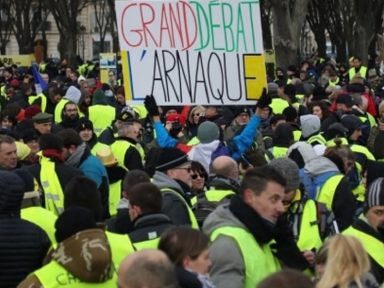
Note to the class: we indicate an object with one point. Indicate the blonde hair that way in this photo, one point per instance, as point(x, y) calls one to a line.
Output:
point(346, 262)
point(198, 109)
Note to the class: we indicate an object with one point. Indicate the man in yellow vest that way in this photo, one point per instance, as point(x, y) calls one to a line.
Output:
point(242, 232)
point(369, 227)
point(100, 113)
point(145, 201)
point(173, 177)
point(357, 68)
point(311, 222)
point(82, 258)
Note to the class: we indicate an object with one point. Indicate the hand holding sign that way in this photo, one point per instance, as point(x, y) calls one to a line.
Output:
point(151, 105)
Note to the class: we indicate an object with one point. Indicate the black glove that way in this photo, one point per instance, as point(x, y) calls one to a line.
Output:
point(151, 105)
point(264, 101)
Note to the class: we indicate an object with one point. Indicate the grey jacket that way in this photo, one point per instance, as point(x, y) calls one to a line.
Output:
point(228, 269)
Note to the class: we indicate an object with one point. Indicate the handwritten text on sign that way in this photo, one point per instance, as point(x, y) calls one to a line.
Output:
point(193, 52)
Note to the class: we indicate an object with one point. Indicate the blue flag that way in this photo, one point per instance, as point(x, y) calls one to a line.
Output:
point(38, 79)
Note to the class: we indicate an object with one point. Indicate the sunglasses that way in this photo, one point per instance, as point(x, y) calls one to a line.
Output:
point(195, 176)
point(196, 114)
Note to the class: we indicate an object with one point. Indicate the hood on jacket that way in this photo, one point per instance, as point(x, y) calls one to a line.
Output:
point(202, 153)
point(283, 135)
point(320, 165)
point(301, 152)
point(99, 98)
point(86, 255)
point(310, 124)
point(73, 94)
point(12, 190)
point(161, 180)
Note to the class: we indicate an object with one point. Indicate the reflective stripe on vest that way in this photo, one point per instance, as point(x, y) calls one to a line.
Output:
point(43, 103)
point(54, 275)
point(333, 83)
point(193, 141)
point(53, 193)
point(363, 150)
point(121, 246)
point(373, 246)
point(101, 116)
point(278, 152)
point(119, 148)
point(114, 197)
point(371, 120)
point(192, 217)
point(43, 218)
point(327, 191)
point(317, 138)
point(309, 234)
point(214, 195)
point(362, 72)
point(255, 271)
point(147, 244)
point(59, 109)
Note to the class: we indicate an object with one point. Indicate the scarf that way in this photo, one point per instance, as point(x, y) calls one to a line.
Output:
point(54, 154)
point(74, 159)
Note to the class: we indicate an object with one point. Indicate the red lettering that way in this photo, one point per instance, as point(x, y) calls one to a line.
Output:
point(164, 28)
point(146, 22)
point(190, 39)
point(136, 31)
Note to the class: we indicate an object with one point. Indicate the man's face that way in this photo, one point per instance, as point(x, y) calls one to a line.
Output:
point(375, 216)
point(355, 135)
point(182, 173)
point(356, 63)
point(136, 132)
point(269, 204)
point(242, 119)
point(70, 111)
point(8, 156)
point(43, 128)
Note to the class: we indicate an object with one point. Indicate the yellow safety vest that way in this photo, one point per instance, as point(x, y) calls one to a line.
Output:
point(278, 152)
point(59, 109)
point(373, 246)
point(101, 116)
point(98, 146)
point(147, 244)
point(278, 105)
point(214, 195)
point(43, 218)
point(193, 141)
point(309, 234)
point(121, 246)
point(54, 275)
point(53, 193)
point(327, 191)
point(140, 110)
point(43, 104)
point(114, 197)
point(255, 271)
point(363, 150)
point(362, 72)
point(372, 120)
point(297, 135)
point(192, 217)
point(331, 143)
point(333, 83)
point(119, 148)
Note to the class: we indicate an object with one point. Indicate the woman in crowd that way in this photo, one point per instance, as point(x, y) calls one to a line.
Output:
point(346, 265)
point(199, 177)
point(188, 250)
point(195, 116)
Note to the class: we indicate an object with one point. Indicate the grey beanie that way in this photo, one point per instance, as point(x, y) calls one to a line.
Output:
point(374, 196)
point(207, 132)
point(289, 170)
point(310, 124)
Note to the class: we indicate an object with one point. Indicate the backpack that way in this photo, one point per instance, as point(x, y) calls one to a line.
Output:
point(203, 207)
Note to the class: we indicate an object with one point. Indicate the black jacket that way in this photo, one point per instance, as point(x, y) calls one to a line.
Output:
point(23, 245)
point(148, 225)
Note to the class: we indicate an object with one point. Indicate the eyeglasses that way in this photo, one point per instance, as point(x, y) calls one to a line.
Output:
point(196, 114)
point(188, 169)
point(195, 176)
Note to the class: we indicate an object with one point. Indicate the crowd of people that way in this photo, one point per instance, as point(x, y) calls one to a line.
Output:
point(99, 192)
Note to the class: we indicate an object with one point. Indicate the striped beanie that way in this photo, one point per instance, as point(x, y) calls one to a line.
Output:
point(375, 193)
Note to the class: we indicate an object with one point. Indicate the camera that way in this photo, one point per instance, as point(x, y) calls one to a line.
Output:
point(175, 129)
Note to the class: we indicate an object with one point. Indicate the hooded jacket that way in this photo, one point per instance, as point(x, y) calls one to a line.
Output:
point(85, 256)
point(173, 206)
point(344, 202)
point(23, 245)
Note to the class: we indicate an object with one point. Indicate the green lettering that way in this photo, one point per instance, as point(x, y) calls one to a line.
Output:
point(240, 30)
point(228, 27)
point(251, 20)
point(202, 17)
point(213, 26)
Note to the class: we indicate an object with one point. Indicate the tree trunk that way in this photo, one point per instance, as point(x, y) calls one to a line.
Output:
point(288, 19)
point(67, 47)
